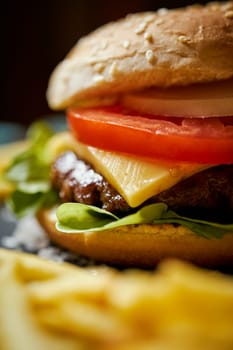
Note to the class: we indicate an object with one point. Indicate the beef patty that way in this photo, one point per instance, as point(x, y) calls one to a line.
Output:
point(207, 194)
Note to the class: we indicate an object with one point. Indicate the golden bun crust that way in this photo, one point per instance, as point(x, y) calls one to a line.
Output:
point(143, 245)
point(163, 48)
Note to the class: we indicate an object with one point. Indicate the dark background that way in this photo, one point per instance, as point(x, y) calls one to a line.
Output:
point(36, 35)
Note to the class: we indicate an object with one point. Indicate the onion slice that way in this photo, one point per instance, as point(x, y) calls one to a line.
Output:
point(200, 100)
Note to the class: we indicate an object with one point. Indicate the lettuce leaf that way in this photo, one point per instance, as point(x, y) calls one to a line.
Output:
point(77, 218)
point(29, 172)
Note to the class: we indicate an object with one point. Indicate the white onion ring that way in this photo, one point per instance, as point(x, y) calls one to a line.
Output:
point(203, 100)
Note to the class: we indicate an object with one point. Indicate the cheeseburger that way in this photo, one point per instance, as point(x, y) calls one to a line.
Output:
point(145, 171)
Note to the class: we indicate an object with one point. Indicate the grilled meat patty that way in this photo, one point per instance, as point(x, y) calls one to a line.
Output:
point(77, 181)
point(208, 194)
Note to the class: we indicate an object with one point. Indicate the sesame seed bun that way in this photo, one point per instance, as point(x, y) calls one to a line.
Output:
point(154, 49)
point(142, 245)
point(163, 48)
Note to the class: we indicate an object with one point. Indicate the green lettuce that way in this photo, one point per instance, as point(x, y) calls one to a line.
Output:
point(77, 218)
point(29, 172)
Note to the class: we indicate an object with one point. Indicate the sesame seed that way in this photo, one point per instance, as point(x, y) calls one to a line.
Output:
point(159, 21)
point(141, 28)
point(149, 18)
point(162, 11)
point(184, 39)
point(126, 44)
point(114, 69)
point(229, 14)
point(99, 67)
point(98, 78)
point(148, 37)
point(150, 56)
point(200, 29)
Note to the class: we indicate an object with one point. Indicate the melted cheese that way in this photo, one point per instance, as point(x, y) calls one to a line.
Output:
point(136, 179)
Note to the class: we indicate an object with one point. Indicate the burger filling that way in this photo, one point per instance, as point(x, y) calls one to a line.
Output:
point(205, 195)
point(135, 163)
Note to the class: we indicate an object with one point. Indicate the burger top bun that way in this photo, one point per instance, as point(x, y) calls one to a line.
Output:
point(163, 48)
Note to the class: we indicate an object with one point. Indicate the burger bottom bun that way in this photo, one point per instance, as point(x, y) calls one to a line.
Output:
point(142, 245)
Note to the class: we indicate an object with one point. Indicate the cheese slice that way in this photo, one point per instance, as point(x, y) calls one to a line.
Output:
point(136, 179)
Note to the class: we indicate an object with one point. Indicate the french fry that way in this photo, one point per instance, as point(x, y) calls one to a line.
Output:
point(86, 321)
point(19, 329)
point(177, 307)
point(66, 286)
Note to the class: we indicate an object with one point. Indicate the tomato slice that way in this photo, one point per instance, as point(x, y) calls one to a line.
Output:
point(199, 140)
